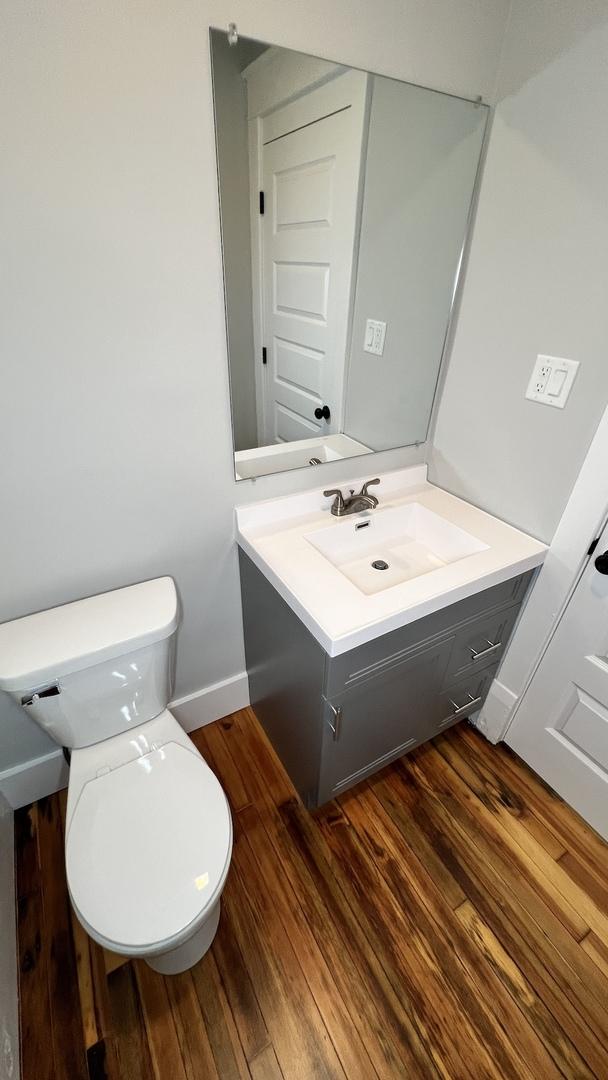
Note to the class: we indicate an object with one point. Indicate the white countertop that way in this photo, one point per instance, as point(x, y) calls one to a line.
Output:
point(337, 613)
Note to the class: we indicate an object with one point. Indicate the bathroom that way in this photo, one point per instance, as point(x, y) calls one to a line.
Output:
point(445, 913)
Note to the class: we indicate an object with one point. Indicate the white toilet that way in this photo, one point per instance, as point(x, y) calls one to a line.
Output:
point(148, 829)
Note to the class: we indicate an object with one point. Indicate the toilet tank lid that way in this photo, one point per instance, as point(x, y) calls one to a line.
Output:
point(40, 648)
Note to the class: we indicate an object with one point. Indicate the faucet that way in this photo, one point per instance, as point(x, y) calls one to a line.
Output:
point(353, 504)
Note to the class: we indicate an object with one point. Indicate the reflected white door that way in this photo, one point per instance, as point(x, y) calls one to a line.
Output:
point(561, 726)
point(311, 187)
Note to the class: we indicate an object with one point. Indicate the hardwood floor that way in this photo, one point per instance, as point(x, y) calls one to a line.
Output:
point(447, 918)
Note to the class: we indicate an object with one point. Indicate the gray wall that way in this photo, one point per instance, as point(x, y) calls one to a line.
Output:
point(537, 279)
point(230, 101)
point(422, 156)
point(115, 435)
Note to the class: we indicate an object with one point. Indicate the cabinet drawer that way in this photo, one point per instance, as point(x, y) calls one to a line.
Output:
point(371, 724)
point(463, 698)
point(481, 643)
point(356, 666)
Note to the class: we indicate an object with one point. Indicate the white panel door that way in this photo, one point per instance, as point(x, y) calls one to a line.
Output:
point(561, 726)
point(311, 186)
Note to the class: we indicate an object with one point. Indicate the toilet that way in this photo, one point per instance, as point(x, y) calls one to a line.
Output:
point(148, 834)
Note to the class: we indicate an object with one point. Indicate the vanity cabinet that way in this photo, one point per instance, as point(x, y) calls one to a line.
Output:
point(335, 720)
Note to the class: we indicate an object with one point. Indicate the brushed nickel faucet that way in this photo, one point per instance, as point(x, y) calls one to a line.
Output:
point(353, 504)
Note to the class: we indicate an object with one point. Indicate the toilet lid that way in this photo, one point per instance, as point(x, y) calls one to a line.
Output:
point(147, 847)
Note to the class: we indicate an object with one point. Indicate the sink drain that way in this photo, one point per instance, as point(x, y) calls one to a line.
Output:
point(380, 564)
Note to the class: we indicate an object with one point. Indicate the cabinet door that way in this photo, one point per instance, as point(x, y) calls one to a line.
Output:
point(372, 724)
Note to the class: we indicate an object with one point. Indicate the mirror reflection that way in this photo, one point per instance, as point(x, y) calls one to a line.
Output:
point(344, 201)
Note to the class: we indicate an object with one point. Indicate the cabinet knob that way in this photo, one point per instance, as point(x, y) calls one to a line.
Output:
point(601, 563)
point(322, 413)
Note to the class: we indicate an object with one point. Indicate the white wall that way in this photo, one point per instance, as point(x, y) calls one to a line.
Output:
point(9, 1006)
point(115, 430)
point(422, 157)
point(537, 278)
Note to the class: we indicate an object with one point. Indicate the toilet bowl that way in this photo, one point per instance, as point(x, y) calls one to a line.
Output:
point(148, 843)
point(148, 834)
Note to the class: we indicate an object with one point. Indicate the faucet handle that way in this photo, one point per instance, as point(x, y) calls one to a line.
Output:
point(338, 503)
point(367, 484)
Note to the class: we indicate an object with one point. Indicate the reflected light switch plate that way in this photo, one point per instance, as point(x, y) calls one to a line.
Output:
point(375, 333)
point(551, 380)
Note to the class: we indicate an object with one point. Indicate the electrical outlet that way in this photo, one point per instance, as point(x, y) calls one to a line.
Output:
point(542, 374)
point(551, 380)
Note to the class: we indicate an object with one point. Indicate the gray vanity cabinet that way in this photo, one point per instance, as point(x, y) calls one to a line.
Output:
point(335, 720)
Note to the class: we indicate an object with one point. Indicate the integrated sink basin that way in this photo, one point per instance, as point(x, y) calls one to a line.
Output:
point(430, 550)
point(383, 548)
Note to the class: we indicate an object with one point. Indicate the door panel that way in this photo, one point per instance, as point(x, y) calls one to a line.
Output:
point(311, 181)
point(561, 726)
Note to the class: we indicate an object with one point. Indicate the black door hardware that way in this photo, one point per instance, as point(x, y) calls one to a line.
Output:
point(601, 563)
point(323, 413)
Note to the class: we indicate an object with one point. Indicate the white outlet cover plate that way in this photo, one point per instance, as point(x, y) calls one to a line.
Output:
point(551, 380)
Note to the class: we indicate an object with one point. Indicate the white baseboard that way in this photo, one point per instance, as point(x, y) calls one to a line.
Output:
point(212, 702)
point(42, 776)
point(34, 779)
point(493, 720)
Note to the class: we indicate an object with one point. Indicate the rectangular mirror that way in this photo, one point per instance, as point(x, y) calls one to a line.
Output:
point(344, 202)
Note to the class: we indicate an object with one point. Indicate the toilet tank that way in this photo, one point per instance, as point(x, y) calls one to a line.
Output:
point(96, 667)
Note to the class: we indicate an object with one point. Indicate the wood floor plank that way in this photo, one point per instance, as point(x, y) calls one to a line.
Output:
point(299, 1036)
point(133, 1052)
point(265, 1066)
point(27, 864)
point(537, 869)
point(425, 925)
point(219, 1021)
point(211, 739)
point(191, 1031)
point(271, 781)
point(68, 1042)
point(91, 1029)
point(594, 890)
point(597, 951)
point(283, 901)
point(537, 1023)
point(37, 1054)
point(165, 1051)
point(405, 872)
point(392, 1043)
point(244, 1005)
point(567, 875)
point(481, 832)
point(359, 976)
point(542, 834)
point(505, 907)
point(527, 855)
point(575, 835)
point(443, 1003)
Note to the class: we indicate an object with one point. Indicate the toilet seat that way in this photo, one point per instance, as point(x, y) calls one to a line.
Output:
point(148, 848)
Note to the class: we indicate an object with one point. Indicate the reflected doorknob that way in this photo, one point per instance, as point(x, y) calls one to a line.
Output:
point(322, 413)
point(601, 563)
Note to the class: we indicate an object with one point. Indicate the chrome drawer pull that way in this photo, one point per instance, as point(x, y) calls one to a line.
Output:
point(460, 709)
point(336, 727)
point(492, 646)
